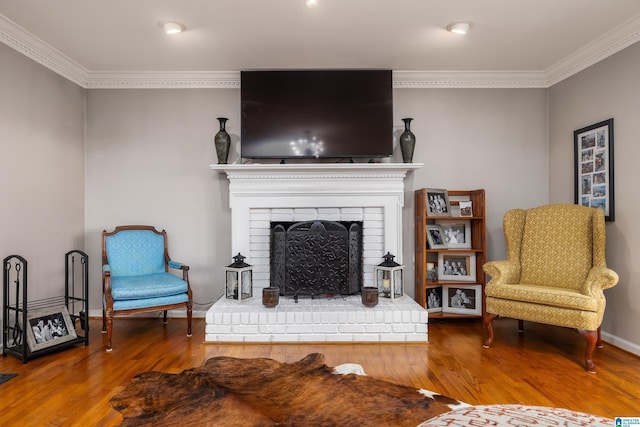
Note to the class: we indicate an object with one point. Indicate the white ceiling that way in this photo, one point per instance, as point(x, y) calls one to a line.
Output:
point(512, 43)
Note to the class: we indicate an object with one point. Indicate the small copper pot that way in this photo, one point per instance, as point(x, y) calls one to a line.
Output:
point(270, 296)
point(369, 296)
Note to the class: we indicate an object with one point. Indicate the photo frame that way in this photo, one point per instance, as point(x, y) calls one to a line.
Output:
point(432, 271)
point(49, 327)
point(435, 237)
point(457, 266)
point(466, 208)
point(434, 299)
point(438, 203)
point(456, 233)
point(593, 161)
point(462, 299)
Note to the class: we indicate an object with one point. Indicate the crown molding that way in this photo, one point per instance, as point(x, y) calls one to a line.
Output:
point(164, 80)
point(231, 80)
point(603, 47)
point(467, 79)
point(612, 42)
point(32, 47)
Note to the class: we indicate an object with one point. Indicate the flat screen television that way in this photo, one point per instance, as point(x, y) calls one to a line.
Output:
point(300, 114)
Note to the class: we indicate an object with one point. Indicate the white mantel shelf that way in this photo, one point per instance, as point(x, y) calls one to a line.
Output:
point(315, 169)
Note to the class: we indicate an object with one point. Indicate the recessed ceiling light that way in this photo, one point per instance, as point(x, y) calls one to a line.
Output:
point(459, 27)
point(172, 27)
point(312, 3)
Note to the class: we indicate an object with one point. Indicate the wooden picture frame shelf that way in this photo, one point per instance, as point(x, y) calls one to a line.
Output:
point(426, 257)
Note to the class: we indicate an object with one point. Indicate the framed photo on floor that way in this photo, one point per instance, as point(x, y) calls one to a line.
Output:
point(457, 266)
point(49, 327)
point(593, 161)
point(462, 299)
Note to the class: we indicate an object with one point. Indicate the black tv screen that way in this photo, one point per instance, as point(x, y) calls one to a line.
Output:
point(316, 114)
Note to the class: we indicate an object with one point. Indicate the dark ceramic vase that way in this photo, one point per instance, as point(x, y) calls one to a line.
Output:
point(407, 141)
point(222, 142)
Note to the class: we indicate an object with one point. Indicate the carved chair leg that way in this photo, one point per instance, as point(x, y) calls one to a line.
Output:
point(520, 325)
point(164, 317)
point(109, 330)
point(104, 321)
point(592, 337)
point(599, 340)
point(487, 320)
point(189, 316)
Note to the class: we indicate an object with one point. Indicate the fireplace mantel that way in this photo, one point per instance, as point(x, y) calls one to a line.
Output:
point(316, 185)
point(311, 169)
point(264, 180)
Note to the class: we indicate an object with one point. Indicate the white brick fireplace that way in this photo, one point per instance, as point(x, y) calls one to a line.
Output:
point(369, 192)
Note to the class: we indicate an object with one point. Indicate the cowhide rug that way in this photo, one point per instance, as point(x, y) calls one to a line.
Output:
point(228, 391)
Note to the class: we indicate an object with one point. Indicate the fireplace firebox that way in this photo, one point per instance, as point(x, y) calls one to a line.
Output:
point(312, 258)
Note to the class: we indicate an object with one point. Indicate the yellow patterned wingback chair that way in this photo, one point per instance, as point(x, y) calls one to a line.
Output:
point(555, 272)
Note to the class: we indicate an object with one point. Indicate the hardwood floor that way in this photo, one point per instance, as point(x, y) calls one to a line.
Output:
point(542, 367)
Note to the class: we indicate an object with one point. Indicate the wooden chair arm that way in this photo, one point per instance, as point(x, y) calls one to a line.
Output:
point(184, 268)
point(178, 265)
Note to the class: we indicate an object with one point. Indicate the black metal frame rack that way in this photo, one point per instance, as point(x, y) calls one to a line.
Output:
point(16, 306)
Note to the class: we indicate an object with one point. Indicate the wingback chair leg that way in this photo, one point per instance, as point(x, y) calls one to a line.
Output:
point(520, 325)
point(164, 318)
point(487, 320)
point(592, 337)
point(599, 340)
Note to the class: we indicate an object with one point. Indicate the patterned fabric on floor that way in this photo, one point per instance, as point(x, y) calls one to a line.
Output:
point(515, 415)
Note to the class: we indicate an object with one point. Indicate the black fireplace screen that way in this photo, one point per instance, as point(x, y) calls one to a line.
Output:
point(316, 257)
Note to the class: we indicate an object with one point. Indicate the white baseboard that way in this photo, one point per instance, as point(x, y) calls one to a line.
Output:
point(621, 343)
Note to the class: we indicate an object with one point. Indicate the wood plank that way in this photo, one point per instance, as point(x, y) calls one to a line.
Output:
point(544, 366)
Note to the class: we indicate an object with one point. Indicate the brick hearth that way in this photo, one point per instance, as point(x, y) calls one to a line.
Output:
point(339, 319)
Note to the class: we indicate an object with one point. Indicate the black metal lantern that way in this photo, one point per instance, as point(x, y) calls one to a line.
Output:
point(389, 277)
point(239, 279)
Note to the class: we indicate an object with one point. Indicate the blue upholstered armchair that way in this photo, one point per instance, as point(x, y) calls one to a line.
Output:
point(136, 277)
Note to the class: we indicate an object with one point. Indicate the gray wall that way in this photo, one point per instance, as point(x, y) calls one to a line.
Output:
point(606, 90)
point(41, 169)
point(494, 139)
point(147, 158)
